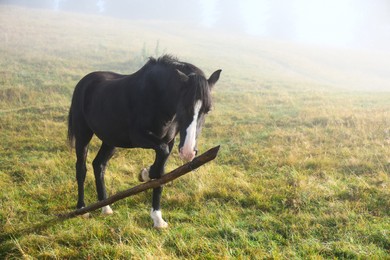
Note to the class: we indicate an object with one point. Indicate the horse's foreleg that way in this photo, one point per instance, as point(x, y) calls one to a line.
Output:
point(155, 172)
point(99, 168)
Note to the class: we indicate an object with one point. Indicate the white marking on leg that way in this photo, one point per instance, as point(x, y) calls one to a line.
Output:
point(187, 151)
point(106, 210)
point(86, 215)
point(144, 175)
point(157, 219)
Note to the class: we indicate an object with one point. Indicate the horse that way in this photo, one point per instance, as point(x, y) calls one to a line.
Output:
point(146, 109)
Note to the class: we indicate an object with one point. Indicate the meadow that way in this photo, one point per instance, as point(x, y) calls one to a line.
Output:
point(304, 166)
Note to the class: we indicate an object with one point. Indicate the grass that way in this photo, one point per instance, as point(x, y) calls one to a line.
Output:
point(303, 170)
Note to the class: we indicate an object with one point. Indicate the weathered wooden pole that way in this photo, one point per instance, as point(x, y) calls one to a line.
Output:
point(180, 171)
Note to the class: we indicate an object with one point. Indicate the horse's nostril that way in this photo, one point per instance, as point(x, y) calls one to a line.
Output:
point(196, 152)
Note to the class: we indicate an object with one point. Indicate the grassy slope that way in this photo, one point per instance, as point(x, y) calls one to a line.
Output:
point(303, 169)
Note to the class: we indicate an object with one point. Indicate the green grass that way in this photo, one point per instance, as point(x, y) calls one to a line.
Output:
point(303, 170)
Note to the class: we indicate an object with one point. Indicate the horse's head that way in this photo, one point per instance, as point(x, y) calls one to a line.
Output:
point(195, 103)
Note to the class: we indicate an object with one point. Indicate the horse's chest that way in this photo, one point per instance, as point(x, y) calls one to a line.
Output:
point(167, 131)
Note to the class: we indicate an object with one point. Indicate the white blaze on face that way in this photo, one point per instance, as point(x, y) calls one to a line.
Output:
point(187, 152)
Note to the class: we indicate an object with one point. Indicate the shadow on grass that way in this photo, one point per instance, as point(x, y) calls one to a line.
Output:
point(7, 239)
point(32, 229)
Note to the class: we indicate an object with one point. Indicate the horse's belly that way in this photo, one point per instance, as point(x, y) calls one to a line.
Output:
point(112, 134)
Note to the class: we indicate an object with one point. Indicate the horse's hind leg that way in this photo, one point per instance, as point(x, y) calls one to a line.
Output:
point(82, 142)
point(99, 167)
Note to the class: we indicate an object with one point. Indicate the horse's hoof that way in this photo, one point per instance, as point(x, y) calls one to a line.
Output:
point(106, 210)
point(162, 225)
point(159, 223)
point(86, 215)
point(144, 175)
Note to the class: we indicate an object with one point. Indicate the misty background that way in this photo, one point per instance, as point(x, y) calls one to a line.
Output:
point(357, 24)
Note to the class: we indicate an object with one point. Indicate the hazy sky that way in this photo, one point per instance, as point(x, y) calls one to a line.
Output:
point(340, 23)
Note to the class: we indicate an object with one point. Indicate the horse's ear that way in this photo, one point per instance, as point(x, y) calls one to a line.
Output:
point(214, 78)
point(183, 77)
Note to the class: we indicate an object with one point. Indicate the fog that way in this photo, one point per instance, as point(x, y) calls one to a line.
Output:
point(357, 24)
point(343, 44)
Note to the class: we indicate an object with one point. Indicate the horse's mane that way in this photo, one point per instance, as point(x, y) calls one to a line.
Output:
point(197, 79)
point(172, 61)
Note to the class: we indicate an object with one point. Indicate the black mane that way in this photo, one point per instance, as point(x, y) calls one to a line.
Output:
point(173, 62)
point(198, 88)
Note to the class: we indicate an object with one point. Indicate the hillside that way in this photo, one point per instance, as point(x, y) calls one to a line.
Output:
point(107, 43)
point(303, 170)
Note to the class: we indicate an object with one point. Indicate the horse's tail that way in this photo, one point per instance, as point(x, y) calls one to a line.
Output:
point(71, 136)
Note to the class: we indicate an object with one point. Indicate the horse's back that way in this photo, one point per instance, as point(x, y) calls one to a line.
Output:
point(91, 84)
point(101, 103)
point(95, 79)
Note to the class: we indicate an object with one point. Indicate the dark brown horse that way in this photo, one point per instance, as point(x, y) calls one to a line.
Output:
point(146, 109)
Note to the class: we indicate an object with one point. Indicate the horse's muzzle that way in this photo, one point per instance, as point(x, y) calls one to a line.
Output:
point(187, 155)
